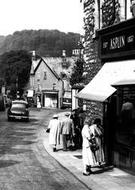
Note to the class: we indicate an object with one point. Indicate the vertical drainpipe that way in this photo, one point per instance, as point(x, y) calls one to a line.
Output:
point(125, 9)
point(99, 12)
point(62, 92)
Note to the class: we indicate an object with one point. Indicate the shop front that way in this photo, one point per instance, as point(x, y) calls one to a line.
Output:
point(50, 99)
point(114, 86)
point(117, 47)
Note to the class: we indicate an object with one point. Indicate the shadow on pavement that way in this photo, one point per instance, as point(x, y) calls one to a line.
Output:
point(6, 163)
point(103, 169)
point(21, 134)
point(10, 150)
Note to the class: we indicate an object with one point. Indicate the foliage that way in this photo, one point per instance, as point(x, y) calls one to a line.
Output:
point(15, 69)
point(112, 16)
point(44, 42)
point(77, 75)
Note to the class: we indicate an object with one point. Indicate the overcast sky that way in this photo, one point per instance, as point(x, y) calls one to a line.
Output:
point(17, 15)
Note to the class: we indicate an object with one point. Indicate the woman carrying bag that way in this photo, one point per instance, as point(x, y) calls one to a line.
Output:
point(97, 131)
point(87, 153)
point(53, 129)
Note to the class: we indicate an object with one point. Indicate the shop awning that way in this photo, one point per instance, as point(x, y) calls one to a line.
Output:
point(100, 87)
point(125, 82)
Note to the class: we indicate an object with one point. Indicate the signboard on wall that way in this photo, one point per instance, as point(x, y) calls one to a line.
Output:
point(118, 40)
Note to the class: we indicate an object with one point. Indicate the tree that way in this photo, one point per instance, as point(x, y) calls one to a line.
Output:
point(77, 75)
point(15, 69)
point(44, 42)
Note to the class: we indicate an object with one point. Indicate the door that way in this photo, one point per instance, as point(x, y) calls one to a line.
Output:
point(51, 100)
point(124, 150)
point(110, 122)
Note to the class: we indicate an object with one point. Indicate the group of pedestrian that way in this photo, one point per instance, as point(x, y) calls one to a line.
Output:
point(89, 137)
point(92, 149)
point(61, 129)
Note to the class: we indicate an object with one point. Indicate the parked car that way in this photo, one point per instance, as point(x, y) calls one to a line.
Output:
point(18, 110)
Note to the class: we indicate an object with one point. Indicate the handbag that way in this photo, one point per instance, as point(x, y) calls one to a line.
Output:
point(48, 130)
point(93, 144)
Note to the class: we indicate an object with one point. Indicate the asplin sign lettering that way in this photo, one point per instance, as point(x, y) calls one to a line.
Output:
point(117, 42)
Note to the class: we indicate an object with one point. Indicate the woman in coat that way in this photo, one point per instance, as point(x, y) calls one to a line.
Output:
point(97, 131)
point(54, 134)
point(87, 154)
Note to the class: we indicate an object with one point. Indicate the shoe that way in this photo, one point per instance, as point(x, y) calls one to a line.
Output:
point(101, 165)
point(54, 149)
point(86, 174)
point(88, 169)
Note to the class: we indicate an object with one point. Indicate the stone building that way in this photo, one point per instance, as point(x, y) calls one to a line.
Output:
point(49, 80)
point(109, 61)
point(99, 14)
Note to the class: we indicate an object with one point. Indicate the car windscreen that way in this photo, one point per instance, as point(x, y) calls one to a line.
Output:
point(18, 105)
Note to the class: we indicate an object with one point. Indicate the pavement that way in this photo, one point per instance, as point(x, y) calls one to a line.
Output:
point(110, 178)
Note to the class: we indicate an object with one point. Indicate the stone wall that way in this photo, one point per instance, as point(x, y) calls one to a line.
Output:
point(111, 12)
point(92, 63)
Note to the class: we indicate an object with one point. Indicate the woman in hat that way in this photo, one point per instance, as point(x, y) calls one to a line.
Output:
point(87, 153)
point(97, 131)
point(54, 135)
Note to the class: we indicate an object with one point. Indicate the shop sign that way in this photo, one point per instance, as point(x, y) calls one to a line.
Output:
point(120, 43)
point(117, 43)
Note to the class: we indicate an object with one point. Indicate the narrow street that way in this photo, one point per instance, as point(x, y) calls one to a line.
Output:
point(24, 162)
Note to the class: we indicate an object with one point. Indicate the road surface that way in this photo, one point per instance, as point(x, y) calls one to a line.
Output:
point(24, 162)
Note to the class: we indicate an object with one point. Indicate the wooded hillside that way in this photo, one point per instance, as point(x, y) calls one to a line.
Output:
point(44, 42)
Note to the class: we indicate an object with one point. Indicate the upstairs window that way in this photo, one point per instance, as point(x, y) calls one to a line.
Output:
point(45, 75)
point(131, 9)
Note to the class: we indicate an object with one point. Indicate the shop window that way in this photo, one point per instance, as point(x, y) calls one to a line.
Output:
point(129, 8)
point(98, 14)
point(125, 133)
point(132, 8)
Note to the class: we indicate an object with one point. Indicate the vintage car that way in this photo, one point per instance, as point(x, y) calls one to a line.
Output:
point(18, 110)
